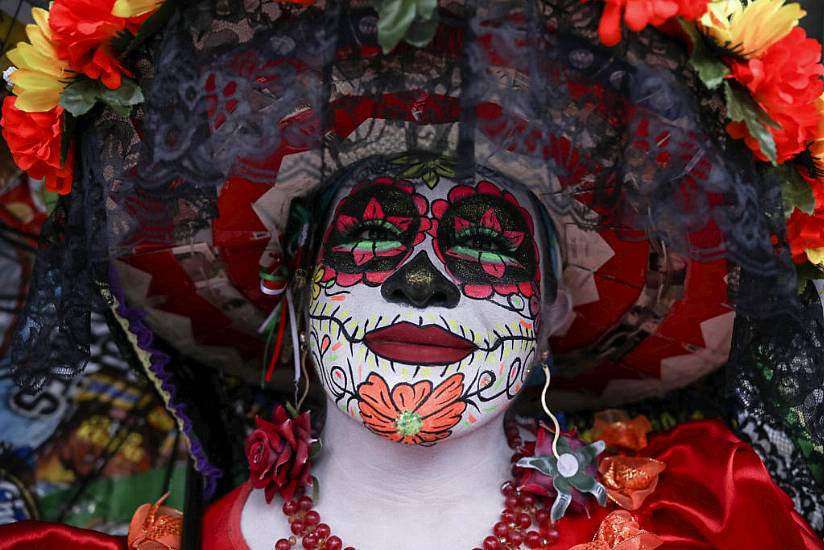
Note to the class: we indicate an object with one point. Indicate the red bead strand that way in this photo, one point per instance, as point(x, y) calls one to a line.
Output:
point(524, 522)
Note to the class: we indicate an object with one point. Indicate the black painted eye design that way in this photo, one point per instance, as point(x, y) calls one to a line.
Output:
point(374, 230)
point(486, 239)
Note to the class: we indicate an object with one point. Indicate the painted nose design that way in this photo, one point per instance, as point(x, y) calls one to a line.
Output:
point(420, 284)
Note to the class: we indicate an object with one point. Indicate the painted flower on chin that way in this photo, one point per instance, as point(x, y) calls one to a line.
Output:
point(392, 241)
point(413, 414)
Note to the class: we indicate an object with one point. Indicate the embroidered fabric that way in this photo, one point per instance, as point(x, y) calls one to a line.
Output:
point(284, 96)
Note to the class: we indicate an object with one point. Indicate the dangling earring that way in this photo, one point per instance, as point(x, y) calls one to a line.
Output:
point(569, 467)
point(546, 365)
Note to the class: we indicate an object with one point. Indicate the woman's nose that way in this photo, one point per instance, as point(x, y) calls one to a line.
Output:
point(420, 284)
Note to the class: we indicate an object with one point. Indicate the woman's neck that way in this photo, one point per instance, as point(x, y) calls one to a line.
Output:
point(374, 492)
point(377, 494)
point(354, 458)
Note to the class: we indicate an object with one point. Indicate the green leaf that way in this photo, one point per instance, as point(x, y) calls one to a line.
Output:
point(414, 21)
point(83, 93)
point(123, 98)
point(741, 107)
point(394, 19)
point(795, 192)
point(711, 70)
point(421, 32)
point(807, 273)
point(80, 96)
point(290, 408)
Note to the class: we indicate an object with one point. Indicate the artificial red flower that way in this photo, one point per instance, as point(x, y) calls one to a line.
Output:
point(34, 140)
point(82, 31)
point(805, 232)
point(411, 413)
point(786, 82)
point(278, 454)
point(637, 14)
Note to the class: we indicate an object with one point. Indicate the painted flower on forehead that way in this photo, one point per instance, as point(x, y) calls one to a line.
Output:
point(373, 231)
point(485, 238)
point(411, 413)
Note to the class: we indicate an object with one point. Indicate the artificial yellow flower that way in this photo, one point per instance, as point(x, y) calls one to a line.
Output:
point(41, 76)
point(134, 8)
point(751, 29)
point(815, 256)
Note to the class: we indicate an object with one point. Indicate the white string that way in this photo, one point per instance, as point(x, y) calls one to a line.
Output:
point(293, 325)
point(555, 423)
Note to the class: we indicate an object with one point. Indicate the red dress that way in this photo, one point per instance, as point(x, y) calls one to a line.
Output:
point(714, 494)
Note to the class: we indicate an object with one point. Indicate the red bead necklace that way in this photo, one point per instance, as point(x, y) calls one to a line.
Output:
point(524, 522)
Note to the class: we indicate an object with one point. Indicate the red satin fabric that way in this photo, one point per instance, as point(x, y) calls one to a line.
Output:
point(716, 493)
point(40, 535)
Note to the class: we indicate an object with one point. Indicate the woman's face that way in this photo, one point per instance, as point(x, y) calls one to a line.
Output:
point(426, 299)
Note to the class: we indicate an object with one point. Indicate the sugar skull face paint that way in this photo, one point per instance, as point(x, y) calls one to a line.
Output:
point(425, 299)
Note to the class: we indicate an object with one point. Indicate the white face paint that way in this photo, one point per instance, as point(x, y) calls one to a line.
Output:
point(426, 298)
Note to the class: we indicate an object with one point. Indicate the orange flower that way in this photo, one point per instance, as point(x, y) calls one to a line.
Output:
point(411, 414)
point(615, 428)
point(34, 140)
point(629, 480)
point(786, 82)
point(620, 531)
point(82, 31)
point(637, 14)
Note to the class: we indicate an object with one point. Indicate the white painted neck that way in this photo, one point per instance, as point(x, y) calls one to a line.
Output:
point(375, 493)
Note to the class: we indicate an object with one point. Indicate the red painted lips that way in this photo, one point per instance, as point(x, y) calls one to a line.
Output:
point(414, 345)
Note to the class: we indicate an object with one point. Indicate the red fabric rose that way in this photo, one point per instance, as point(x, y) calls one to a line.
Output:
point(82, 31)
point(34, 140)
point(786, 82)
point(637, 14)
point(278, 454)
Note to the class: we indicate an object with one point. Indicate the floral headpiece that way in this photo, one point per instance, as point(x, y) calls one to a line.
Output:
point(769, 70)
